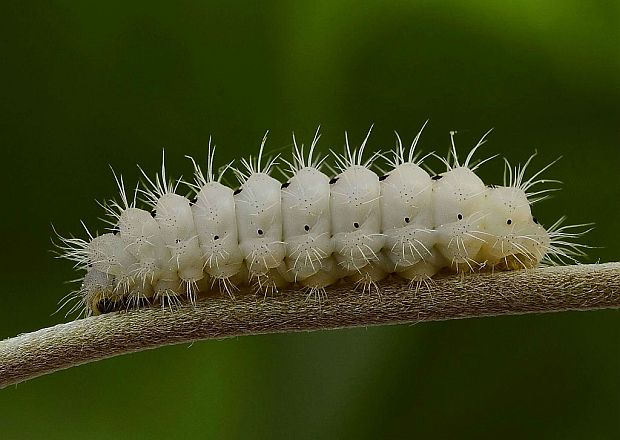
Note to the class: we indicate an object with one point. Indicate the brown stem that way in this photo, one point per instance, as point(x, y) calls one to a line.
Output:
point(552, 289)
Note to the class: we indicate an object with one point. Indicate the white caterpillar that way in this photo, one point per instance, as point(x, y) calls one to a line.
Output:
point(314, 231)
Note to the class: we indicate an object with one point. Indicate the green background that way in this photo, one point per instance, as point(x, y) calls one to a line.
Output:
point(87, 84)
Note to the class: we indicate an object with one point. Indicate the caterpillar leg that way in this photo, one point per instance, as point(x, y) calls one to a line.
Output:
point(368, 276)
point(270, 282)
point(422, 270)
point(203, 285)
point(140, 295)
point(316, 284)
point(168, 292)
point(227, 278)
point(420, 275)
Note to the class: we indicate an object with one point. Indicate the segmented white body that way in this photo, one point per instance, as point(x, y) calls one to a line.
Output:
point(407, 217)
point(216, 226)
point(356, 218)
point(173, 214)
point(258, 209)
point(306, 221)
point(314, 231)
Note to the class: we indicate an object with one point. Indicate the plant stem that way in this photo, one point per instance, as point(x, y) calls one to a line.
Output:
point(552, 289)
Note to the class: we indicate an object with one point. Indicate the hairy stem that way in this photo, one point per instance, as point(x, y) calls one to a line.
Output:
point(552, 289)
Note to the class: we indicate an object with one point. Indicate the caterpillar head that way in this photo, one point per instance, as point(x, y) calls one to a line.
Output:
point(98, 293)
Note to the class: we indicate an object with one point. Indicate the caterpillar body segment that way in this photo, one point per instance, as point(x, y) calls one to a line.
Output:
point(459, 209)
point(356, 216)
point(216, 226)
point(306, 218)
point(258, 210)
point(407, 217)
point(173, 214)
point(142, 238)
point(314, 231)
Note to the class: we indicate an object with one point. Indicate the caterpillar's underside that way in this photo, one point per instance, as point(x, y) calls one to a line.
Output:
point(312, 230)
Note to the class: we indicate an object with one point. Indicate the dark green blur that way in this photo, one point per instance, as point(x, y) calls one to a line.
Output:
point(86, 84)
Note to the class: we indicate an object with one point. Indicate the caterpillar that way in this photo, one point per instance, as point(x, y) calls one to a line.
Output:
point(314, 229)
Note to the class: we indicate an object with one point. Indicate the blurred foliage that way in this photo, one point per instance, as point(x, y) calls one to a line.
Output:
point(86, 84)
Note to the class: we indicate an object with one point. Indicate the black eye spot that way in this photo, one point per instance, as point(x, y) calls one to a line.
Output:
point(216, 237)
point(509, 221)
point(153, 213)
point(193, 201)
point(260, 232)
point(177, 241)
point(437, 177)
point(285, 185)
point(460, 216)
point(334, 180)
point(237, 191)
point(356, 224)
point(407, 220)
point(385, 176)
point(535, 220)
point(306, 228)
